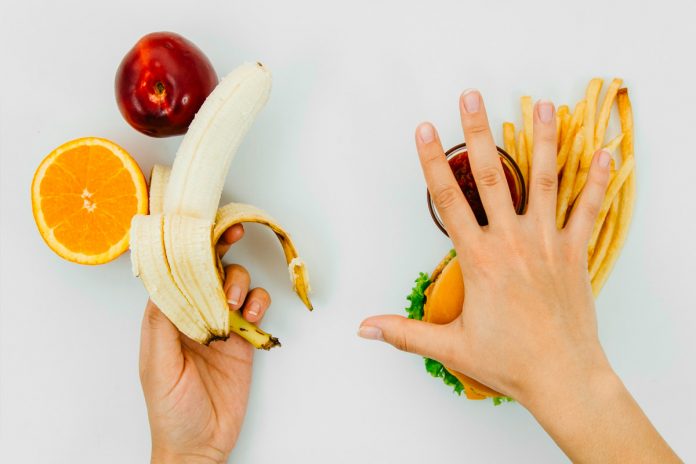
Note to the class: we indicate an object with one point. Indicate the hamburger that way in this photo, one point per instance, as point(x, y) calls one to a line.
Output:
point(439, 299)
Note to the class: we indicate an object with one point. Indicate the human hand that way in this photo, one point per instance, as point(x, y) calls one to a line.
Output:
point(528, 327)
point(528, 314)
point(197, 395)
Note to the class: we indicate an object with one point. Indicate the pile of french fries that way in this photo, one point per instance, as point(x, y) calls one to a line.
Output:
point(580, 134)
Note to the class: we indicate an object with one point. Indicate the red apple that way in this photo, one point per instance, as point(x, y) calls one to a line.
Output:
point(162, 82)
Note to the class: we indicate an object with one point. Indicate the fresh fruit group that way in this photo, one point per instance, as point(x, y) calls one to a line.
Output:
point(162, 82)
point(84, 195)
point(173, 248)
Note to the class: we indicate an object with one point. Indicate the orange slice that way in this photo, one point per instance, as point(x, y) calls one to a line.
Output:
point(83, 196)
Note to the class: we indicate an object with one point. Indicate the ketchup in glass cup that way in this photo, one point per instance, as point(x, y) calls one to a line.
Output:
point(458, 158)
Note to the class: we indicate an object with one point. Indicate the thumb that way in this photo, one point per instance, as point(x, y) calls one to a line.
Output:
point(418, 337)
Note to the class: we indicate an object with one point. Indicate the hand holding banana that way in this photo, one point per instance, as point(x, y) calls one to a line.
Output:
point(172, 248)
point(197, 395)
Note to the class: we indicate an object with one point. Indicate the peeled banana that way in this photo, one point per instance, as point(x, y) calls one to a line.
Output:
point(173, 248)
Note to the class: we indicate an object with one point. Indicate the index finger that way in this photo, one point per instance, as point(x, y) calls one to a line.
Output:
point(228, 238)
point(449, 200)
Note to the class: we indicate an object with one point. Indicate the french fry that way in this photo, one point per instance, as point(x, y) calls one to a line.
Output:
point(626, 205)
point(628, 193)
point(568, 179)
point(561, 113)
point(522, 161)
point(605, 112)
point(580, 180)
point(573, 126)
point(614, 186)
point(509, 139)
point(626, 117)
point(565, 124)
point(605, 237)
point(563, 110)
point(559, 126)
point(591, 96)
point(528, 126)
point(613, 144)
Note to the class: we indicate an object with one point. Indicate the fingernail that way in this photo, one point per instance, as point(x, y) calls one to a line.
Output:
point(235, 295)
point(472, 100)
point(253, 309)
point(371, 333)
point(426, 132)
point(545, 109)
point(604, 159)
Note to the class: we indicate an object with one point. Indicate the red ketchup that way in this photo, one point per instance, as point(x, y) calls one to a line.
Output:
point(462, 172)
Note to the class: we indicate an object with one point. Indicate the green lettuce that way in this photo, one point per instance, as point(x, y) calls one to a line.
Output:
point(435, 368)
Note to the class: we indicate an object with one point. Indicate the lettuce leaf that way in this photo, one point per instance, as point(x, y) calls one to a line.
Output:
point(417, 297)
point(435, 368)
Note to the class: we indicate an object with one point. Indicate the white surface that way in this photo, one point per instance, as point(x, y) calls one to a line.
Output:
point(332, 157)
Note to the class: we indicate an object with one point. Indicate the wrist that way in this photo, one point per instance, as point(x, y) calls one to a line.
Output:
point(165, 456)
point(594, 418)
point(572, 382)
point(583, 389)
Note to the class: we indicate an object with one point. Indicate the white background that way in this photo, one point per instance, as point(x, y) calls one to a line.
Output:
point(332, 158)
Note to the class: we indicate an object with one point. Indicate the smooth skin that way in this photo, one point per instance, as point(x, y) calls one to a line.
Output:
point(197, 395)
point(528, 327)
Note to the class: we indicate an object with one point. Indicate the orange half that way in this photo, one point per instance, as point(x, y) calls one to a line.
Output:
point(84, 195)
